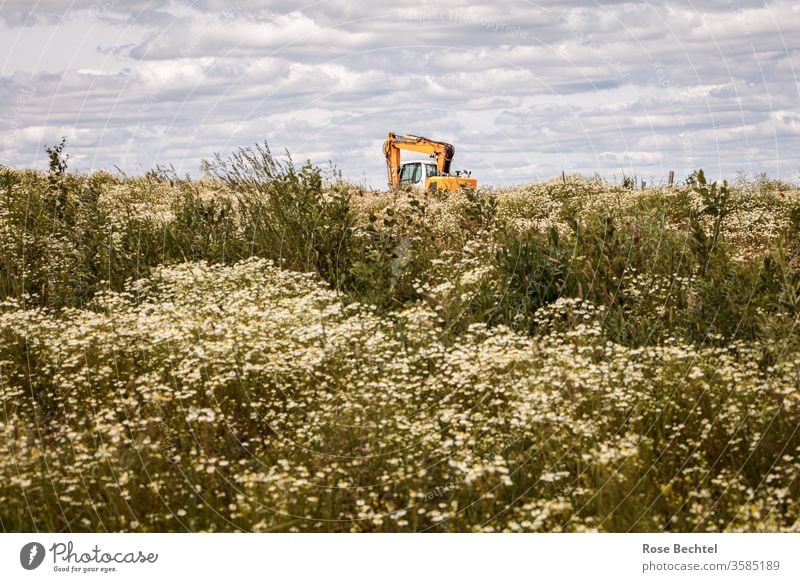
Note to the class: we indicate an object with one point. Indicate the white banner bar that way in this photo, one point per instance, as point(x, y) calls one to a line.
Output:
point(400, 557)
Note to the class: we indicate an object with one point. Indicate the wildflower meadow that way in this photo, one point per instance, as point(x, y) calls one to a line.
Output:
point(271, 348)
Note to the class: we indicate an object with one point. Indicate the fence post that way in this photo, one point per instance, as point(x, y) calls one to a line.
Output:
point(671, 178)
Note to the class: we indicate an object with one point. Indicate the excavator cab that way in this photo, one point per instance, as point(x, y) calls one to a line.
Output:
point(416, 174)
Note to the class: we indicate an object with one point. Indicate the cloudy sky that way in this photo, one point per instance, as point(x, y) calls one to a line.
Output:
point(523, 89)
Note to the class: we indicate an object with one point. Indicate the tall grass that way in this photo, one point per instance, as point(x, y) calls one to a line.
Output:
point(270, 348)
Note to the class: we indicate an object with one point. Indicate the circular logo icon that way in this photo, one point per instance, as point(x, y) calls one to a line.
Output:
point(31, 555)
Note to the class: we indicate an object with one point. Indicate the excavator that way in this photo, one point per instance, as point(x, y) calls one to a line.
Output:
point(430, 176)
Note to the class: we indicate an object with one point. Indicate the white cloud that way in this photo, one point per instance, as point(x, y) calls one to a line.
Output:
point(523, 89)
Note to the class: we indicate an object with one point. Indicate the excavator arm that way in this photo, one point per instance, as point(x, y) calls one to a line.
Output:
point(394, 144)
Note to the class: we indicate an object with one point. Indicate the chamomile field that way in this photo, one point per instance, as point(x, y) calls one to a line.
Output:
point(270, 348)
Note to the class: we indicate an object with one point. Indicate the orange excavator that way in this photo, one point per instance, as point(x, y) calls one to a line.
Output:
point(430, 176)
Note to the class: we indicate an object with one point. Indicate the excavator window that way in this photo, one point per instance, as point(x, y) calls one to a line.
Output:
point(411, 174)
point(431, 170)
